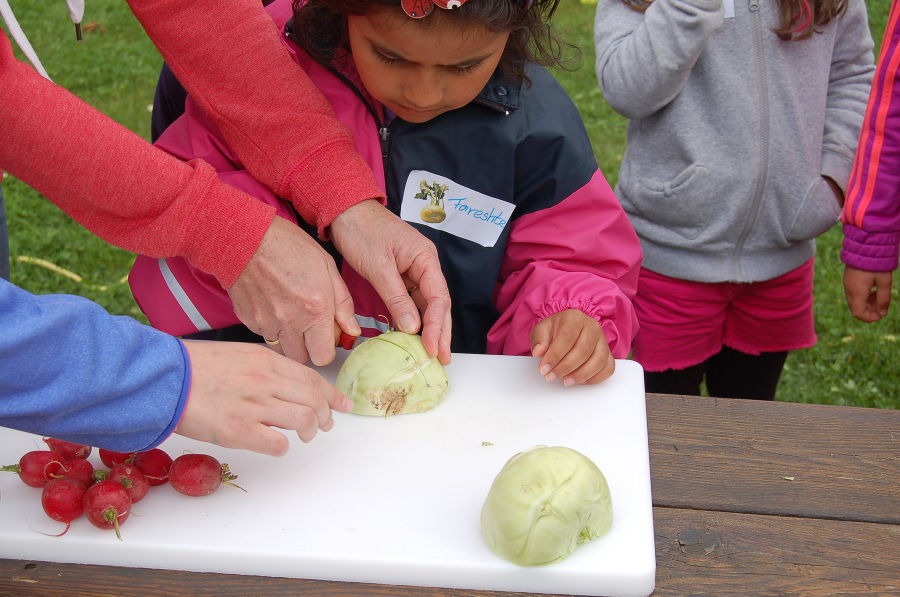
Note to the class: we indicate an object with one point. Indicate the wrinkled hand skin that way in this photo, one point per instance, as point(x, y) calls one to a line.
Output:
point(291, 291)
point(240, 391)
point(572, 346)
point(394, 257)
point(868, 293)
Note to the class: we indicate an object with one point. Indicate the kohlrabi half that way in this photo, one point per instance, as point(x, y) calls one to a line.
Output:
point(544, 503)
point(391, 374)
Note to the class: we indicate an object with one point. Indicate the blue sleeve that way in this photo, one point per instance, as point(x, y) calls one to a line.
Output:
point(69, 369)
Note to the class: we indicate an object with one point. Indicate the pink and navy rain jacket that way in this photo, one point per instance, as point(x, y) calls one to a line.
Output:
point(871, 213)
point(506, 187)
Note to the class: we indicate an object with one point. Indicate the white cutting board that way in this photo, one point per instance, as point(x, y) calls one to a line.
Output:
point(384, 500)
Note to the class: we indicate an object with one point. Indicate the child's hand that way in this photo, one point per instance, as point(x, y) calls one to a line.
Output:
point(868, 293)
point(572, 346)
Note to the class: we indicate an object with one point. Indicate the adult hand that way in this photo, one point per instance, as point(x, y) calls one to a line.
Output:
point(292, 293)
point(868, 293)
point(573, 347)
point(240, 391)
point(394, 258)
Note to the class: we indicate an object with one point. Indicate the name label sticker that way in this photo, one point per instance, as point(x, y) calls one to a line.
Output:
point(438, 202)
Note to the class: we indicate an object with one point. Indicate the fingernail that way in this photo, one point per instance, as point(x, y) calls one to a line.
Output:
point(568, 381)
point(550, 376)
point(545, 369)
point(407, 323)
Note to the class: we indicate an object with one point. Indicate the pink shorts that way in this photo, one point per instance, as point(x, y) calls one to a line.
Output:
point(683, 323)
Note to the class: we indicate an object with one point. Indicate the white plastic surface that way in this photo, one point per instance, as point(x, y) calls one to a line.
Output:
point(385, 500)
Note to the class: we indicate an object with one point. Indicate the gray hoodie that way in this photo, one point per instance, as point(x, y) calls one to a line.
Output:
point(731, 130)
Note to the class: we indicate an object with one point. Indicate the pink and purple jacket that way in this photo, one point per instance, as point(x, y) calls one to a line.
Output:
point(871, 213)
point(506, 187)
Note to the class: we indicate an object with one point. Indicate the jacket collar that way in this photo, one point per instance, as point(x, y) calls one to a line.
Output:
point(500, 94)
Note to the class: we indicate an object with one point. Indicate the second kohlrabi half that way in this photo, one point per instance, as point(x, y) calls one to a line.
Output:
point(543, 504)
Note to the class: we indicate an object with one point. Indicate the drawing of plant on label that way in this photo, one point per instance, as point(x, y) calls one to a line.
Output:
point(433, 193)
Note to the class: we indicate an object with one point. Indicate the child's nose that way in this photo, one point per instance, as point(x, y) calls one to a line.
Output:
point(424, 90)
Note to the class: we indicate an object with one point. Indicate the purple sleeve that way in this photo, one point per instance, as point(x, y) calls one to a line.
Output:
point(872, 209)
point(68, 369)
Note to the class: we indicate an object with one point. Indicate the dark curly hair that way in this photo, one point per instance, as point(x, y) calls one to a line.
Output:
point(320, 27)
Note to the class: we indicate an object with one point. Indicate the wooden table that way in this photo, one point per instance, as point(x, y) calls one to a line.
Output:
point(750, 498)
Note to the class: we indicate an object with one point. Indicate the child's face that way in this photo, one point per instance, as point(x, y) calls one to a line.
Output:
point(418, 71)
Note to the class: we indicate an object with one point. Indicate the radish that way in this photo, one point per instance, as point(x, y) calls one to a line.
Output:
point(37, 467)
point(62, 500)
point(78, 468)
point(154, 464)
point(69, 450)
point(111, 459)
point(132, 479)
point(199, 474)
point(107, 505)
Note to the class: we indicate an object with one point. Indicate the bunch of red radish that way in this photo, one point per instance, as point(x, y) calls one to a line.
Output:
point(71, 486)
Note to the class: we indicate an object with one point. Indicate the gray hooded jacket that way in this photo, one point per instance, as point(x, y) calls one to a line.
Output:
point(731, 130)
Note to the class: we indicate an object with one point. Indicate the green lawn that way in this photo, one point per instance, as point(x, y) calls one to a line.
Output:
point(115, 69)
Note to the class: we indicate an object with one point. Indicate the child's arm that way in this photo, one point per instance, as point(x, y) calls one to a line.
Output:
point(644, 59)
point(872, 210)
point(580, 254)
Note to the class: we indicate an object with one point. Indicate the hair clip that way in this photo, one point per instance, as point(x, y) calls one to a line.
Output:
point(419, 9)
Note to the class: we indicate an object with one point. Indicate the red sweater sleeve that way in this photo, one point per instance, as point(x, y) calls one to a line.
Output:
point(230, 59)
point(116, 184)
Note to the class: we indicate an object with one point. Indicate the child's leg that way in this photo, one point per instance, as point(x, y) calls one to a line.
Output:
point(685, 382)
point(736, 374)
point(681, 326)
point(765, 321)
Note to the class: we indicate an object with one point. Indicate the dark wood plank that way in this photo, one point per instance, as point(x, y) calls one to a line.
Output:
point(47, 579)
point(699, 553)
point(775, 458)
point(717, 554)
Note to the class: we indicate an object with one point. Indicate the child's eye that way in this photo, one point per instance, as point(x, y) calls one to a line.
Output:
point(464, 70)
point(384, 58)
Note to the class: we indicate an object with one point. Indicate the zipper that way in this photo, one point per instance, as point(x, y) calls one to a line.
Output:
point(763, 103)
point(385, 131)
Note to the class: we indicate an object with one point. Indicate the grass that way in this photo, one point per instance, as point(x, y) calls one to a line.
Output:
point(115, 69)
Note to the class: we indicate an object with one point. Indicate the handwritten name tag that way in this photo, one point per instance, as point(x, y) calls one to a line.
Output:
point(438, 202)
